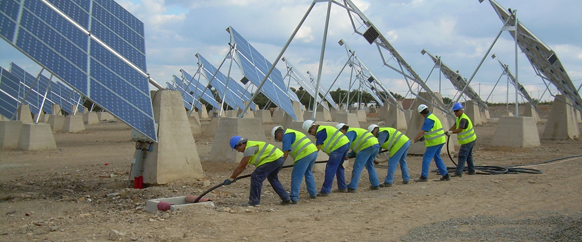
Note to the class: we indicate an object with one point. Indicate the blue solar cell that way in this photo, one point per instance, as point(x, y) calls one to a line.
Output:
point(219, 82)
point(122, 14)
point(115, 25)
point(114, 82)
point(10, 8)
point(197, 88)
point(186, 94)
point(7, 27)
point(118, 44)
point(74, 11)
point(9, 83)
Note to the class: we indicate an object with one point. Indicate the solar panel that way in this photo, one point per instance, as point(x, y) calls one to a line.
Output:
point(543, 59)
point(185, 91)
point(255, 67)
point(458, 81)
point(8, 93)
point(232, 98)
point(196, 88)
point(83, 42)
point(302, 81)
point(35, 95)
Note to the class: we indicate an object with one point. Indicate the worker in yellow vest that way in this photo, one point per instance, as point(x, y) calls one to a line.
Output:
point(397, 145)
point(268, 161)
point(304, 154)
point(365, 146)
point(466, 136)
point(336, 145)
point(434, 140)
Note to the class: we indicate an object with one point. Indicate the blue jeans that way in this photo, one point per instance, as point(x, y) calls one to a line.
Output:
point(466, 155)
point(334, 167)
point(398, 158)
point(270, 171)
point(300, 168)
point(365, 158)
point(430, 153)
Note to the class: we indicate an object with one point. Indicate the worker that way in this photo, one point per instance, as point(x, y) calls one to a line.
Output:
point(268, 161)
point(466, 136)
point(304, 154)
point(365, 146)
point(397, 145)
point(336, 145)
point(434, 139)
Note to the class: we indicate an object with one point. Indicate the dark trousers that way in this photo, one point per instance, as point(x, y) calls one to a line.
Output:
point(269, 171)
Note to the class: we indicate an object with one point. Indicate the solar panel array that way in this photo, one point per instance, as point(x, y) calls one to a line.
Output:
point(302, 81)
point(83, 43)
point(187, 98)
point(255, 67)
point(542, 58)
point(520, 87)
point(9, 85)
point(196, 88)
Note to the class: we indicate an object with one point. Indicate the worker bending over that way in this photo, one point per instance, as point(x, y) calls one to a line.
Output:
point(366, 147)
point(397, 145)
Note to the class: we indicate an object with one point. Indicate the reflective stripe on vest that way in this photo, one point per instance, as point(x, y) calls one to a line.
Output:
point(468, 135)
point(267, 153)
point(364, 139)
point(306, 147)
point(396, 140)
point(436, 135)
point(334, 140)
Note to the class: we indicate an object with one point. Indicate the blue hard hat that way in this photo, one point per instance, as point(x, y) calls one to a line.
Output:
point(234, 141)
point(457, 106)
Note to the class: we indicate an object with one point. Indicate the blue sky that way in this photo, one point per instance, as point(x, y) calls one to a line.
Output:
point(458, 31)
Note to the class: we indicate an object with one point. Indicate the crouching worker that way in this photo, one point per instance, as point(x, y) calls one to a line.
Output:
point(397, 145)
point(268, 161)
point(303, 153)
point(366, 147)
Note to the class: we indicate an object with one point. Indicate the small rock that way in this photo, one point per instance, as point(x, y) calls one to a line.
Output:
point(206, 183)
point(54, 228)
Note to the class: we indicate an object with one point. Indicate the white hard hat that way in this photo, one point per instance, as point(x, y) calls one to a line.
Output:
point(422, 107)
point(372, 127)
point(307, 124)
point(340, 126)
point(274, 130)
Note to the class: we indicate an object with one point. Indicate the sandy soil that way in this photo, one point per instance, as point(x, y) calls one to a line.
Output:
point(78, 193)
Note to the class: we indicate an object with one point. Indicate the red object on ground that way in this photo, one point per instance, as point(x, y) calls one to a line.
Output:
point(164, 206)
point(138, 182)
point(106, 164)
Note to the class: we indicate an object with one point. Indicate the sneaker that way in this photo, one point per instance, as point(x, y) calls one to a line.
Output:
point(457, 175)
point(286, 202)
point(351, 190)
point(471, 173)
point(445, 178)
point(405, 182)
point(313, 197)
point(374, 187)
point(340, 190)
point(322, 194)
point(386, 184)
point(421, 179)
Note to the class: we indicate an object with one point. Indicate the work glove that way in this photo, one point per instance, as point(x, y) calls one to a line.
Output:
point(229, 181)
point(421, 139)
point(449, 133)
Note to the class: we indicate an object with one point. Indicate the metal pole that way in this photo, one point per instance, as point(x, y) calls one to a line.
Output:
point(26, 95)
point(278, 58)
point(43, 100)
point(321, 58)
point(226, 85)
point(516, 64)
point(349, 88)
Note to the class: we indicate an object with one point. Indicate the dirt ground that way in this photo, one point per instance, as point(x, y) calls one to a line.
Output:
point(79, 193)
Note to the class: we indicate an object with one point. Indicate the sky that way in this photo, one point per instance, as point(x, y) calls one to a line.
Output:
point(460, 32)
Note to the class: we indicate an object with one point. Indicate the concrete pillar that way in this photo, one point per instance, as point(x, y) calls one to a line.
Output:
point(326, 116)
point(43, 117)
point(73, 124)
point(516, 132)
point(195, 124)
point(90, 118)
point(578, 116)
point(395, 117)
point(10, 133)
point(36, 137)
point(562, 122)
point(210, 130)
point(264, 116)
point(361, 114)
point(472, 111)
point(56, 109)
point(249, 114)
point(484, 115)
point(24, 114)
point(351, 119)
point(56, 122)
point(416, 121)
point(278, 116)
point(299, 112)
point(529, 111)
point(231, 113)
point(203, 113)
point(250, 128)
point(105, 116)
point(175, 156)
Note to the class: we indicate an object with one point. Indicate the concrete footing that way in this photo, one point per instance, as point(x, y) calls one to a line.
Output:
point(249, 128)
point(43, 118)
point(90, 118)
point(24, 114)
point(264, 116)
point(105, 116)
point(395, 117)
point(9, 134)
point(319, 116)
point(36, 137)
point(178, 203)
point(73, 124)
point(562, 122)
point(529, 111)
point(202, 112)
point(278, 116)
point(195, 124)
point(56, 122)
point(516, 132)
point(484, 115)
point(175, 156)
point(361, 114)
point(472, 111)
point(56, 109)
point(210, 130)
point(351, 119)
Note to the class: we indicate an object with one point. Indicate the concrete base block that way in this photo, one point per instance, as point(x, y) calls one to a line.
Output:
point(361, 115)
point(90, 118)
point(484, 115)
point(179, 203)
point(516, 132)
point(105, 116)
point(73, 124)
point(249, 128)
point(56, 122)
point(578, 116)
point(396, 118)
point(195, 124)
point(299, 112)
point(319, 116)
point(56, 109)
point(249, 114)
point(529, 111)
point(562, 122)
point(43, 118)
point(278, 116)
point(333, 114)
point(24, 114)
point(264, 116)
point(210, 130)
point(175, 155)
point(10, 133)
point(351, 119)
point(472, 111)
point(203, 113)
point(231, 113)
point(36, 137)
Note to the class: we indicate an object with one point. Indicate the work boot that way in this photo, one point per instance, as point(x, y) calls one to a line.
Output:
point(405, 182)
point(286, 202)
point(351, 190)
point(421, 179)
point(445, 177)
point(340, 190)
point(293, 202)
point(457, 175)
point(313, 197)
point(374, 187)
point(471, 173)
point(386, 184)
